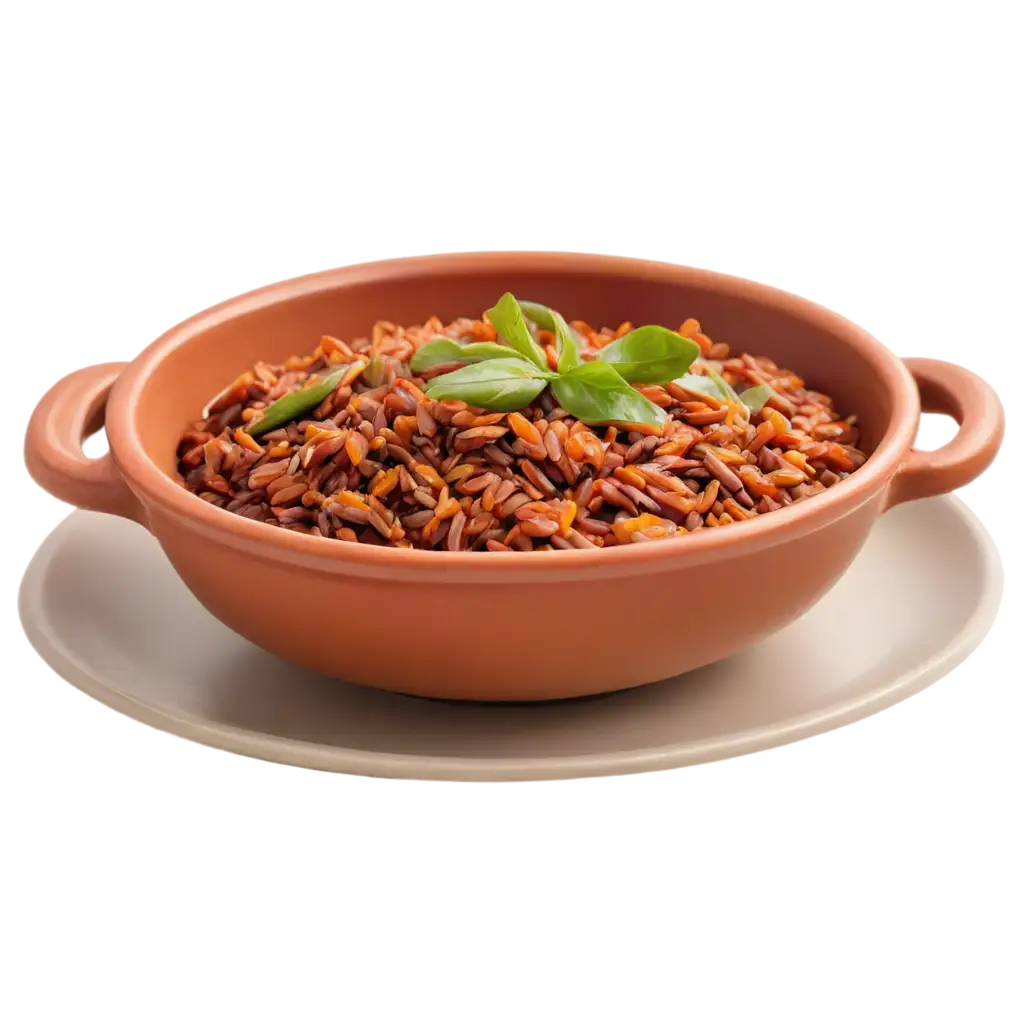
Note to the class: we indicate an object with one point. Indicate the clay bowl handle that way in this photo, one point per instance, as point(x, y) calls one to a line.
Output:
point(68, 413)
point(948, 388)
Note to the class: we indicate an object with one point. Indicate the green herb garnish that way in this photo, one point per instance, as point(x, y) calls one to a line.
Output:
point(503, 385)
point(725, 389)
point(715, 385)
point(293, 405)
point(542, 316)
point(699, 385)
point(595, 392)
point(650, 355)
point(444, 350)
point(507, 319)
point(376, 372)
point(565, 344)
point(756, 397)
point(546, 318)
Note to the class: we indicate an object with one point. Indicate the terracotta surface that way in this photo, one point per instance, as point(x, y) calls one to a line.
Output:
point(468, 624)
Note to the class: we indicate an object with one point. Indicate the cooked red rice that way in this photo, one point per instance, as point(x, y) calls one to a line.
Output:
point(380, 463)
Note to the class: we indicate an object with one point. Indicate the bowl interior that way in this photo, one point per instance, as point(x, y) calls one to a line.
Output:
point(205, 355)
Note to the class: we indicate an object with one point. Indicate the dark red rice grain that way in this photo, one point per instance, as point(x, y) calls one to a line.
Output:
point(380, 463)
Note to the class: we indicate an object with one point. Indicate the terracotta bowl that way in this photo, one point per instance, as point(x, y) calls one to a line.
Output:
point(479, 626)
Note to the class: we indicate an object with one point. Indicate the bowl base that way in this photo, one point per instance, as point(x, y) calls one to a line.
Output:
point(579, 698)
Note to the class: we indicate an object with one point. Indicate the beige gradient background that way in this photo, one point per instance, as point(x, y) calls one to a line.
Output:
point(147, 160)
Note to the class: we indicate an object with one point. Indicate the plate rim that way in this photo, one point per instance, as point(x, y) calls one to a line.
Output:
point(432, 767)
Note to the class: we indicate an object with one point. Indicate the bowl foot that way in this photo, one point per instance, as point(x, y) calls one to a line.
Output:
point(561, 701)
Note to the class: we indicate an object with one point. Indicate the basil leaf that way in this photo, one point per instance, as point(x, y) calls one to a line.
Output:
point(502, 385)
point(650, 355)
point(507, 319)
point(376, 372)
point(755, 398)
point(595, 393)
point(699, 384)
point(714, 384)
point(565, 344)
point(544, 317)
point(723, 388)
point(295, 404)
point(728, 391)
point(444, 350)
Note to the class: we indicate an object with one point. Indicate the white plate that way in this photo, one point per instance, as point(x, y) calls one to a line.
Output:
point(104, 608)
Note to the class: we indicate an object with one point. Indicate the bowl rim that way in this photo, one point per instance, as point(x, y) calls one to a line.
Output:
point(157, 489)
